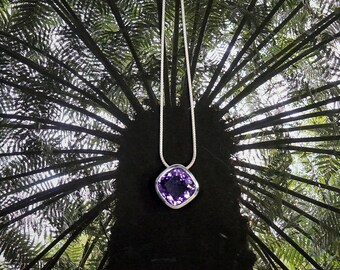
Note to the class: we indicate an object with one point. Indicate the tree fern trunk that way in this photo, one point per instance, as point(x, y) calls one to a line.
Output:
point(210, 232)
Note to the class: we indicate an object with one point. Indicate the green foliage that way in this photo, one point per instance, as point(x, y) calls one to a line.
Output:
point(73, 75)
point(17, 246)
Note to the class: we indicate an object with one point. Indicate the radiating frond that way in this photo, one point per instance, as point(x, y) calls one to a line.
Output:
point(79, 86)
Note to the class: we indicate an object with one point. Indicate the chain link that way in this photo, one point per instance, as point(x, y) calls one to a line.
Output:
point(191, 100)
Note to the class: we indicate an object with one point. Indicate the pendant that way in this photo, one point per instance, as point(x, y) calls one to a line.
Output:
point(176, 186)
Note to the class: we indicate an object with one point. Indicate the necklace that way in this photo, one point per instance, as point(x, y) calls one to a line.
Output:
point(176, 186)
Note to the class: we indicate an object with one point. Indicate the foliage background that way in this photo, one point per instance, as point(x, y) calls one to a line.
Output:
point(75, 73)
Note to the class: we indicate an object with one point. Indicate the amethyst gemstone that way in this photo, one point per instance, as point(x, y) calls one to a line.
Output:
point(176, 186)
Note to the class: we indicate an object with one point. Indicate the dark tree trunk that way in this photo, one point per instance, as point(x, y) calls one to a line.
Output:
point(208, 233)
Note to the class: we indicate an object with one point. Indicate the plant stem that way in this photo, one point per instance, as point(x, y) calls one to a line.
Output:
point(274, 143)
point(272, 60)
point(283, 103)
point(267, 255)
point(276, 69)
point(77, 227)
point(282, 130)
point(42, 70)
point(278, 118)
point(228, 74)
point(285, 174)
point(116, 112)
point(43, 96)
point(60, 151)
point(200, 38)
point(71, 19)
point(53, 167)
point(204, 98)
point(64, 189)
point(63, 126)
point(98, 161)
point(143, 73)
point(286, 190)
point(281, 233)
point(272, 196)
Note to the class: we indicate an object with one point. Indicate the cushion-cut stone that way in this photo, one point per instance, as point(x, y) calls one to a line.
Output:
point(176, 186)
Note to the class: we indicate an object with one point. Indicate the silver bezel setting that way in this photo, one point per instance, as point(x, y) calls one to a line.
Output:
point(191, 176)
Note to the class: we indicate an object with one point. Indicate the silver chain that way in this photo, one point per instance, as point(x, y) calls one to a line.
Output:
point(192, 111)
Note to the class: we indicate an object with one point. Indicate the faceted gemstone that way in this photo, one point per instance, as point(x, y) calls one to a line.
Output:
point(176, 186)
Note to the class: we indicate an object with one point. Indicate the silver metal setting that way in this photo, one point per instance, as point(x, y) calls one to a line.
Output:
point(191, 176)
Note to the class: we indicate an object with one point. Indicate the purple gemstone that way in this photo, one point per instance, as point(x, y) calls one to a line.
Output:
point(176, 186)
